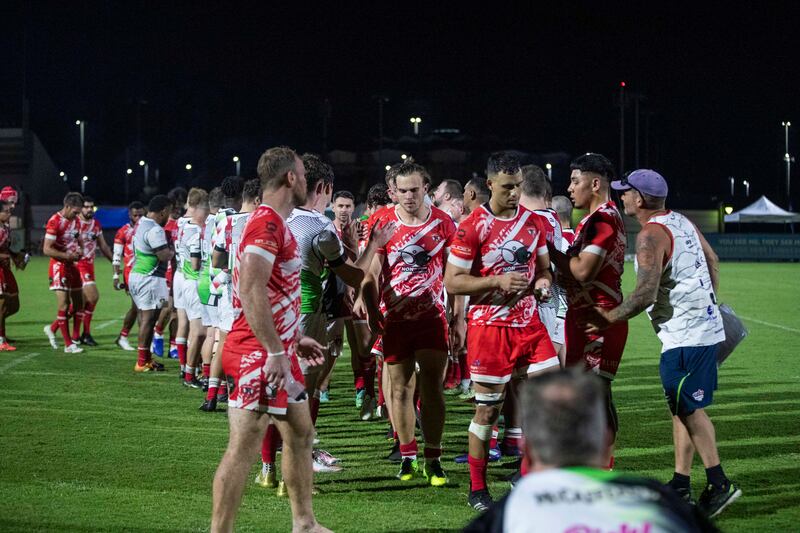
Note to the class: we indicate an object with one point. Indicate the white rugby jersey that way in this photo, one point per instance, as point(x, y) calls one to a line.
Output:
point(685, 312)
point(553, 236)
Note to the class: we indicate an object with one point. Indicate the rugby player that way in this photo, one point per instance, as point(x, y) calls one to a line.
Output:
point(677, 279)
point(499, 258)
point(406, 278)
point(591, 272)
point(449, 197)
point(148, 285)
point(261, 351)
point(563, 207)
point(62, 245)
point(190, 334)
point(123, 256)
point(9, 292)
point(92, 238)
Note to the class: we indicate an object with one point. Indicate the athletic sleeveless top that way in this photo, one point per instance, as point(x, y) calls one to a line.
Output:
point(685, 312)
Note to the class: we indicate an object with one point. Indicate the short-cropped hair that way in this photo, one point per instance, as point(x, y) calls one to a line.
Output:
point(479, 184)
point(73, 199)
point(453, 188)
point(252, 190)
point(595, 163)
point(562, 206)
point(159, 202)
point(535, 182)
point(196, 197)
point(564, 417)
point(273, 165)
point(136, 205)
point(216, 198)
point(316, 170)
point(502, 163)
point(344, 194)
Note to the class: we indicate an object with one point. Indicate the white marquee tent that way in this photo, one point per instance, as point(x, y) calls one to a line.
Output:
point(763, 210)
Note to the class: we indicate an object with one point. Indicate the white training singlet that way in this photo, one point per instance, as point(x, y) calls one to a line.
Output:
point(685, 312)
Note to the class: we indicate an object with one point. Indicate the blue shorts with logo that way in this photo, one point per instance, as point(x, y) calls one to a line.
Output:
point(689, 377)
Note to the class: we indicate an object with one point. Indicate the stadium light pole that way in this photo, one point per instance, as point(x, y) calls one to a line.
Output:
point(63, 176)
point(732, 182)
point(416, 121)
point(146, 167)
point(188, 168)
point(81, 124)
point(549, 168)
point(788, 159)
point(746, 188)
point(621, 128)
point(128, 173)
point(238, 164)
point(83, 184)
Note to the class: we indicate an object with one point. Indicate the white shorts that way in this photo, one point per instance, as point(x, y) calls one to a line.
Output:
point(177, 287)
point(336, 336)
point(148, 292)
point(558, 332)
point(189, 299)
point(548, 317)
point(210, 314)
point(225, 310)
point(313, 325)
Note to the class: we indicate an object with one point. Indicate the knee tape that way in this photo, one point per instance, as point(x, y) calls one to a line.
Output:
point(484, 433)
point(489, 399)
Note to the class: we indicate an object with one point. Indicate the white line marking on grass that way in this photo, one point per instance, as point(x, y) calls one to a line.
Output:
point(107, 323)
point(16, 362)
point(771, 324)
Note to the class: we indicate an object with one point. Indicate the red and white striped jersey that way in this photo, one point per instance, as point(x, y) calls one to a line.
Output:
point(490, 246)
point(90, 231)
point(601, 232)
point(412, 279)
point(267, 235)
point(123, 244)
point(65, 233)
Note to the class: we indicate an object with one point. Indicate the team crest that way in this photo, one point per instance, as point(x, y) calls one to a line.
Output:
point(698, 395)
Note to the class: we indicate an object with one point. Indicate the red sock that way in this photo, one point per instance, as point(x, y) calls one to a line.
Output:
point(477, 472)
point(206, 370)
point(76, 325)
point(181, 344)
point(88, 312)
point(158, 330)
point(189, 374)
point(358, 382)
point(463, 367)
point(431, 453)
point(61, 324)
point(512, 437)
point(223, 386)
point(269, 446)
point(493, 441)
point(213, 385)
point(144, 356)
point(314, 406)
point(611, 464)
point(409, 450)
point(124, 332)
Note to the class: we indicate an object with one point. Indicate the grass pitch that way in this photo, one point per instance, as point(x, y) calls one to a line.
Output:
point(87, 445)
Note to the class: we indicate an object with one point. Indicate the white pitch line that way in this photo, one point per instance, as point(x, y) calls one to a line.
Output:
point(16, 362)
point(771, 324)
point(107, 323)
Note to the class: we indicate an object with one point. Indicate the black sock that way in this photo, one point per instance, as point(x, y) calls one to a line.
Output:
point(679, 481)
point(716, 476)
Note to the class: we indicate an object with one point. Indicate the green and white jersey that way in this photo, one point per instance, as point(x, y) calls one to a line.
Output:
point(206, 288)
point(587, 499)
point(317, 242)
point(188, 246)
point(148, 239)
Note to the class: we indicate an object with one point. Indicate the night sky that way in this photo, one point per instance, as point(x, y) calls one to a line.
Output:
point(234, 78)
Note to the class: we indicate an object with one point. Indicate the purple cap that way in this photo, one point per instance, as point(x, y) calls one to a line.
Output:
point(645, 181)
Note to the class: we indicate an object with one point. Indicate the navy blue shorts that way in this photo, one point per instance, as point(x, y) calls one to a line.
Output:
point(689, 377)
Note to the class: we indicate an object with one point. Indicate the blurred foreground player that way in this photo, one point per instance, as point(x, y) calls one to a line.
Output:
point(261, 352)
point(677, 277)
point(567, 489)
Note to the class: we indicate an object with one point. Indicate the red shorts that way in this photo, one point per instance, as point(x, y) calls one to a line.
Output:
point(86, 270)
point(494, 352)
point(244, 362)
point(402, 338)
point(377, 346)
point(64, 276)
point(8, 283)
point(600, 354)
point(170, 274)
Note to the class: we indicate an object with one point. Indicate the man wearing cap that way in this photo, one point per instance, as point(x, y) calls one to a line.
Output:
point(676, 283)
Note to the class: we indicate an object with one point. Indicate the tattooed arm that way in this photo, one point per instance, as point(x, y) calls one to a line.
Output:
point(652, 248)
